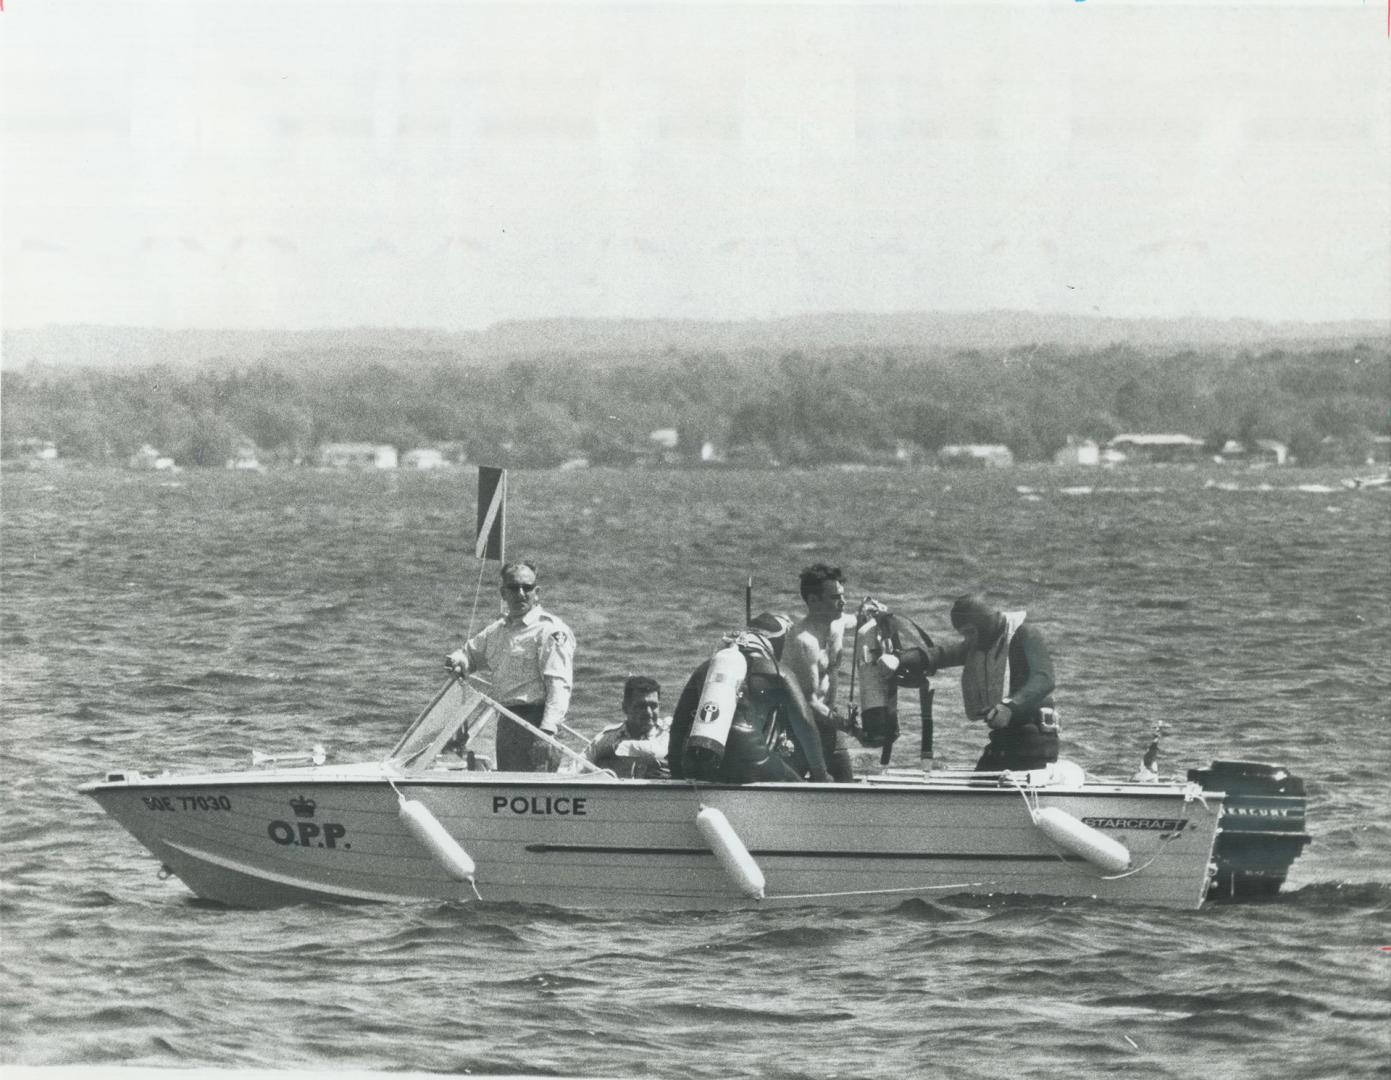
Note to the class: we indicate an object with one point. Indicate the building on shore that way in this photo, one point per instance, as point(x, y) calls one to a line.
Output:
point(975, 456)
point(33, 454)
point(1078, 452)
point(1259, 452)
point(424, 457)
point(147, 458)
point(1158, 449)
point(246, 458)
point(357, 456)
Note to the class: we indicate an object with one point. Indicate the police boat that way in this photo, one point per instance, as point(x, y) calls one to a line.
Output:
point(431, 821)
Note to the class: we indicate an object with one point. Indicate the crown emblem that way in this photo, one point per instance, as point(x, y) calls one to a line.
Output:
point(302, 807)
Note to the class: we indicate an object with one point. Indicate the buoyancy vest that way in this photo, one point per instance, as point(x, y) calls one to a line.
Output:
point(985, 674)
point(887, 635)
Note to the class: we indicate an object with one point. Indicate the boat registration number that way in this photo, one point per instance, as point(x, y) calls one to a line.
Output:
point(186, 802)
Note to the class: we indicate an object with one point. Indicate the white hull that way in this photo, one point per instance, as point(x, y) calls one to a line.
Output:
point(251, 839)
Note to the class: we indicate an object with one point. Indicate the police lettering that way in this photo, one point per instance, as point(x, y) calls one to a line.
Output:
point(544, 805)
point(307, 834)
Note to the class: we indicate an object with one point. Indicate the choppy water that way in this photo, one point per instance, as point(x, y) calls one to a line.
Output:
point(177, 621)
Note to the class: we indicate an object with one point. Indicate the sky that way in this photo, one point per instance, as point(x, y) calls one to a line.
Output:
point(298, 164)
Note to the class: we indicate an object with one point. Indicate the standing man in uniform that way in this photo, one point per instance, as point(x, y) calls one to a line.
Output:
point(813, 658)
point(529, 656)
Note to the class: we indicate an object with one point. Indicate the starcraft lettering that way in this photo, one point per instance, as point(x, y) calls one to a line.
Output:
point(1143, 824)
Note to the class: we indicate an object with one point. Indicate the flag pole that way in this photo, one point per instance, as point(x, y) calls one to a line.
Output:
point(492, 514)
point(491, 540)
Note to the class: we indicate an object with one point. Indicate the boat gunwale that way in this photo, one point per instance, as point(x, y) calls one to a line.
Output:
point(320, 777)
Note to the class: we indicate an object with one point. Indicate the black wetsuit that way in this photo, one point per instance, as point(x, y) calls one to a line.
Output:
point(769, 703)
point(1030, 741)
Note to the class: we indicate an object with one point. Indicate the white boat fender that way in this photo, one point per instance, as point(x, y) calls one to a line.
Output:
point(1081, 839)
point(734, 857)
point(718, 699)
point(433, 836)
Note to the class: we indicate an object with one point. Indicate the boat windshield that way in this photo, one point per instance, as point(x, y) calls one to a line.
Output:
point(457, 711)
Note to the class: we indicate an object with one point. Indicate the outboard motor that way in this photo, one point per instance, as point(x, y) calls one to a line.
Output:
point(1262, 830)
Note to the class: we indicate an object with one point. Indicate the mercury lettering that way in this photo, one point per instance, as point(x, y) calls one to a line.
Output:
point(544, 805)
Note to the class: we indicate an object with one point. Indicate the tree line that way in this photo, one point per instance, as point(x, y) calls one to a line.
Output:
point(798, 407)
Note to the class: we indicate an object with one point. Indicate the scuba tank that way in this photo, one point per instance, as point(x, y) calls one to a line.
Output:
point(719, 696)
point(736, 709)
point(891, 652)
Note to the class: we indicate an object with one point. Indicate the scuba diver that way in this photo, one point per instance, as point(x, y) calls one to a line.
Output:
point(1006, 682)
point(741, 718)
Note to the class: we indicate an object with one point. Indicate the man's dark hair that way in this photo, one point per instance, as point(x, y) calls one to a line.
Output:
point(816, 576)
point(968, 605)
point(640, 686)
point(513, 567)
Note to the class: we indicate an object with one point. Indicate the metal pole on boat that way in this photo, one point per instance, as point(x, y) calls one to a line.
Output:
point(851, 705)
point(925, 707)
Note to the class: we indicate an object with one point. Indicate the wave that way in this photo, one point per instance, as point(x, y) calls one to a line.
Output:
point(220, 678)
point(1338, 896)
point(785, 939)
point(708, 1013)
point(128, 1016)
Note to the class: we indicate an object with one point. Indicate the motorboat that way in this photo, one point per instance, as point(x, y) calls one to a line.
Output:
point(433, 821)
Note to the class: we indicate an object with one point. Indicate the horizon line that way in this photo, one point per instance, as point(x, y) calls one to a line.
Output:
point(1381, 320)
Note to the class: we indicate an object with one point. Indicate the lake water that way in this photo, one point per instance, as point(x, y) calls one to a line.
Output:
point(178, 621)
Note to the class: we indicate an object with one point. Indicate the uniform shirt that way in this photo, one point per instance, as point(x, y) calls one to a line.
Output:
point(814, 662)
point(615, 749)
point(528, 660)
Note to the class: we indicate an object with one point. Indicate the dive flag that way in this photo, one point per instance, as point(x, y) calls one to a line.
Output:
point(492, 513)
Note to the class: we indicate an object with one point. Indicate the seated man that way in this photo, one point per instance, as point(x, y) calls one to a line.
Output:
point(638, 746)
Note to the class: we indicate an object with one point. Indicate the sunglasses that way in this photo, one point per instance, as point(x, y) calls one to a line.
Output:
point(519, 587)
